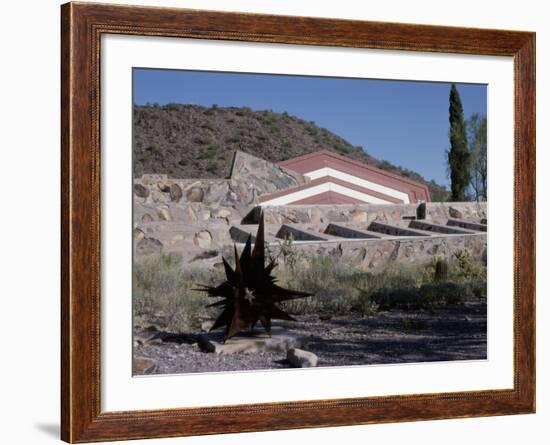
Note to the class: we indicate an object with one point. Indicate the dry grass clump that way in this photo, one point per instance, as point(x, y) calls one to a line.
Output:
point(340, 287)
point(164, 295)
point(163, 292)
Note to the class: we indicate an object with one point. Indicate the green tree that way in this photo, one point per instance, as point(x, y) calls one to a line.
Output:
point(477, 141)
point(458, 155)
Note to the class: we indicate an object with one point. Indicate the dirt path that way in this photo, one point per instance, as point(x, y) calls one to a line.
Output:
point(452, 333)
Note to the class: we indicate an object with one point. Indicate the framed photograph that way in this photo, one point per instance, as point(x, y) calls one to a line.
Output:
point(274, 222)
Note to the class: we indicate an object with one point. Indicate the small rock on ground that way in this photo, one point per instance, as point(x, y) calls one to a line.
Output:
point(301, 359)
point(143, 365)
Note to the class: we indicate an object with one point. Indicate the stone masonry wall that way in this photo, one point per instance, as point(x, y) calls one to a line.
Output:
point(193, 217)
point(365, 213)
point(376, 254)
point(164, 198)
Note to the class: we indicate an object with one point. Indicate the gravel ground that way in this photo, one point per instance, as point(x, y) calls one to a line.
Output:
point(452, 333)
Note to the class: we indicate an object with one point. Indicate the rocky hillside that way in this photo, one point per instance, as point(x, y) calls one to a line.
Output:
point(190, 141)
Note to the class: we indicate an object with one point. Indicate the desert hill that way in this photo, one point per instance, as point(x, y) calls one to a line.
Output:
point(190, 141)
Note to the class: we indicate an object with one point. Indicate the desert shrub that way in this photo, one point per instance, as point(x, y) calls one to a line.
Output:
point(209, 153)
point(426, 297)
point(328, 279)
point(440, 293)
point(163, 292)
point(200, 140)
point(341, 148)
point(398, 298)
point(467, 267)
point(463, 267)
point(212, 167)
point(364, 304)
point(312, 131)
point(339, 287)
point(212, 149)
point(479, 288)
point(285, 252)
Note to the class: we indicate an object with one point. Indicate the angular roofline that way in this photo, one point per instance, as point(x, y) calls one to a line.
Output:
point(357, 163)
point(324, 180)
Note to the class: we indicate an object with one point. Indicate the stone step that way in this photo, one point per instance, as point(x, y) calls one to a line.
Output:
point(299, 233)
point(351, 232)
point(328, 213)
point(478, 227)
point(176, 227)
point(240, 233)
point(395, 230)
point(439, 228)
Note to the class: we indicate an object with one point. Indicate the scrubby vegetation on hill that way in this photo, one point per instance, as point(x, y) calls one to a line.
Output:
point(191, 141)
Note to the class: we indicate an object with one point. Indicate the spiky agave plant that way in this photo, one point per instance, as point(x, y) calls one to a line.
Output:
point(249, 293)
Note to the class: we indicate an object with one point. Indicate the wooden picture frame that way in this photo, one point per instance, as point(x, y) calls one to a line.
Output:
point(82, 26)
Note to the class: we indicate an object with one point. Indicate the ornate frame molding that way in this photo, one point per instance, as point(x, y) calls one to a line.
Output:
point(81, 28)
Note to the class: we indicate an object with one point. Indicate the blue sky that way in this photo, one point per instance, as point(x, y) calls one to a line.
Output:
point(403, 122)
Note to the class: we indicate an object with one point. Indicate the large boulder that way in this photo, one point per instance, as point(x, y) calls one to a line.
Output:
point(261, 175)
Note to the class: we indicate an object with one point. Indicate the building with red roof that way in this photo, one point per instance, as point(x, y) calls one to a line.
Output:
point(335, 179)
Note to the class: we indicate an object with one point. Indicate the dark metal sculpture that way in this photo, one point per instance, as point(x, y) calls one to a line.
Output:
point(250, 293)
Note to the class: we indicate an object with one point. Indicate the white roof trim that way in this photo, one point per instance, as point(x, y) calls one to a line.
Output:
point(322, 188)
point(328, 171)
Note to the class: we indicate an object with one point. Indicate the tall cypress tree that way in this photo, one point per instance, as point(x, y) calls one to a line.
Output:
point(458, 155)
